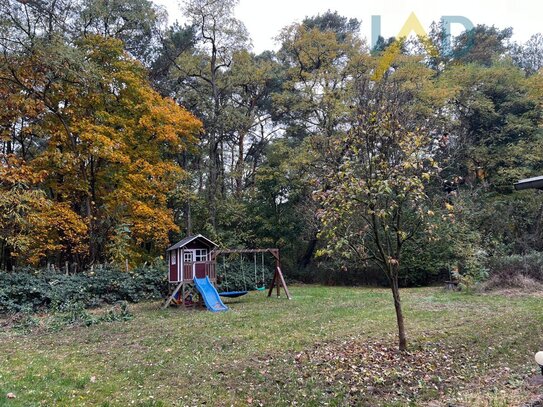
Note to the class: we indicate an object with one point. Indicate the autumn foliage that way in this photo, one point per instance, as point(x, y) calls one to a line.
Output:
point(90, 158)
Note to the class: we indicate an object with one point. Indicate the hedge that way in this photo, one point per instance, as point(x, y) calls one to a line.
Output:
point(33, 290)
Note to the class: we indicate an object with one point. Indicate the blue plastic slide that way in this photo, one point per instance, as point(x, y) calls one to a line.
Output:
point(210, 295)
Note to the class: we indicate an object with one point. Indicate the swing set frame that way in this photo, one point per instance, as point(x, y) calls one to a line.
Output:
point(278, 280)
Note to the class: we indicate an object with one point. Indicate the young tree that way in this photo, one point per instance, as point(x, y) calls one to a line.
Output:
point(373, 196)
point(374, 203)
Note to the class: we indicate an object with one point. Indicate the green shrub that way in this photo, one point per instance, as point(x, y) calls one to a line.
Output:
point(41, 289)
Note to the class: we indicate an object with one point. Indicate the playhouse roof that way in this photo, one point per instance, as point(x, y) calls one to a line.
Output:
point(188, 239)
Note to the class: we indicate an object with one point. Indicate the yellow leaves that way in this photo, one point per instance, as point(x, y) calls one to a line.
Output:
point(535, 86)
point(314, 48)
point(103, 142)
point(146, 180)
point(389, 55)
point(151, 224)
point(102, 49)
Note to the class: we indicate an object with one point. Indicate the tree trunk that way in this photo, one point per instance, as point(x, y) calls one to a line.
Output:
point(309, 251)
point(240, 163)
point(188, 218)
point(399, 314)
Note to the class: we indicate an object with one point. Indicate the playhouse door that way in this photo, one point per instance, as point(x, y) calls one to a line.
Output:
point(188, 261)
point(200, 270)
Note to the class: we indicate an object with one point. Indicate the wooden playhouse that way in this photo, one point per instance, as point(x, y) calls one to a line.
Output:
point(190, 258)
point(194, 259)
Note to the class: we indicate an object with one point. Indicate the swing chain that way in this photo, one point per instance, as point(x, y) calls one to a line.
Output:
point(242, 271)
point(224, 272)
point(256, 282)
point(257, 286)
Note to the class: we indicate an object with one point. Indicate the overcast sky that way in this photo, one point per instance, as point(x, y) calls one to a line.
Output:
point(265, 18)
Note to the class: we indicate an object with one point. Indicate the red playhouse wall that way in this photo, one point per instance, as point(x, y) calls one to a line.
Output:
point(174, 276)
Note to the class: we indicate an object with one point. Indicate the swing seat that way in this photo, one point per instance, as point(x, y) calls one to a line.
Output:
point(233, 294)
point(261, 288)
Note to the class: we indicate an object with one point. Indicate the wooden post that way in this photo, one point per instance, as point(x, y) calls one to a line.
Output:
point(126, 265)
point(272, 283)
point(282, 279)
point(171, 297)
point(278, 279)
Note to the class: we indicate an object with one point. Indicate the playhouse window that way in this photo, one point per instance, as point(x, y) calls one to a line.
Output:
point(201, 254)
point(188, 257)
point(173, 256)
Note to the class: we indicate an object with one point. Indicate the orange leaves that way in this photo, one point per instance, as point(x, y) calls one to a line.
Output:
point(31, 224)
point(170, 123)
point(14, 171)
point(55, 227)
point(107, 143)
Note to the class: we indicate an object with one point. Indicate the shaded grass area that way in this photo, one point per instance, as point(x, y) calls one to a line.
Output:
point(328, 345)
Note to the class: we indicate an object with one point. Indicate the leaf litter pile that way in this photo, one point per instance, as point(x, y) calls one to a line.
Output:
point(374, 370)
point(356, 372)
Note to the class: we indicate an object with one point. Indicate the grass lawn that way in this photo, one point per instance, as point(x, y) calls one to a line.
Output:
point(327, 346)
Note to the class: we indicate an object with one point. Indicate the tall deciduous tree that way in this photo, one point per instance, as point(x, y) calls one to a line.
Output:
point(253, 80)
point(320, 57)
point(482, 44)
point(200, 74)
point(104, 138)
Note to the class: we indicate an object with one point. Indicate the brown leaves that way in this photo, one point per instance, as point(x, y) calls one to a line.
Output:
point(378, 370)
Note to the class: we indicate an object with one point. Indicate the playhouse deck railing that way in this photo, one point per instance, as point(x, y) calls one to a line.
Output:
point(189, 270)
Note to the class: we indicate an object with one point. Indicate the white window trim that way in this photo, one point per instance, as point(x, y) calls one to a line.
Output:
point(192, 255)
point(200, 255)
